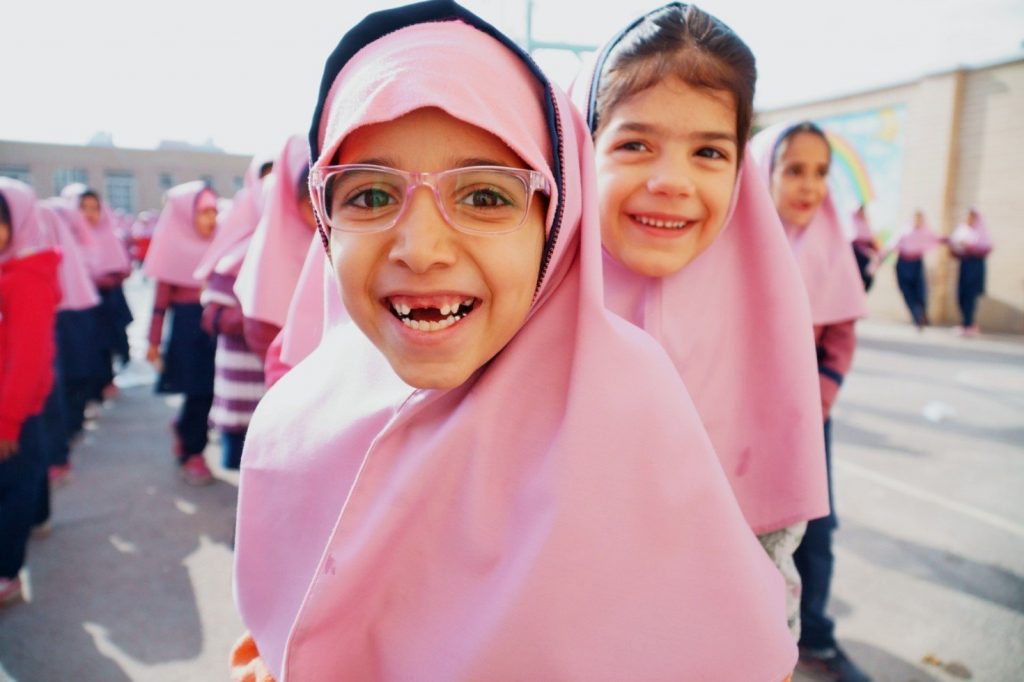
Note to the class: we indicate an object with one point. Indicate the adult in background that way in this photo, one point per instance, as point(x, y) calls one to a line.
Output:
point(971, 244)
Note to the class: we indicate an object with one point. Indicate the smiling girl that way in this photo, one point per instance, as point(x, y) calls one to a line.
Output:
point(694, 255)
point(483, 474)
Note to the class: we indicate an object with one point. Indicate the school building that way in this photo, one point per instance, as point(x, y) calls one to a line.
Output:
point(130, 179)
point(941, 144)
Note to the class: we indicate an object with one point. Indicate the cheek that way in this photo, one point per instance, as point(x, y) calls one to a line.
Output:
point(512, 270)
point(355, 258)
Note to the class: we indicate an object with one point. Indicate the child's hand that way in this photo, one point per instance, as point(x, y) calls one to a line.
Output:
point(7, 448)
point(153, 356)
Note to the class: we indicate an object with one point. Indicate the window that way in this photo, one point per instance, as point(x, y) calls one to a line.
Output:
point(19, 173)
point(63, 177)
point(121, 190)
point(166, 181)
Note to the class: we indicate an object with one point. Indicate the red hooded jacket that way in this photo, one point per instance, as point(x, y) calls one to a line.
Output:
point(29, 293)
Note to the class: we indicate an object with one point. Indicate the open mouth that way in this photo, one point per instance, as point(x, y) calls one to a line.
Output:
point(431, 315)
point(661, 224)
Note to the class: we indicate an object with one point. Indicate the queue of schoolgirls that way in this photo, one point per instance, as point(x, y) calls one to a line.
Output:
point(524, 352)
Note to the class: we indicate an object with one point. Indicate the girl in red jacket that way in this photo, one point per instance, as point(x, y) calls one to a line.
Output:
point(28, 302)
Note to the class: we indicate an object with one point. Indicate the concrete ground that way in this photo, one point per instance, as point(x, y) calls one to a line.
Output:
point(134, 582)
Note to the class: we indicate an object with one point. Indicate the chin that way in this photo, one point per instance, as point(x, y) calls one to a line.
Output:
point(440, 378)
point(654, 264)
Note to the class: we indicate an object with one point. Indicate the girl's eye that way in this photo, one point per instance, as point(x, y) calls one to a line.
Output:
point(711, 153)
point(485, 197)
point(373, 197)
point(633, 146)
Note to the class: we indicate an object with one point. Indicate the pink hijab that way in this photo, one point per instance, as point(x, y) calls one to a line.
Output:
point(235, 226)
point(822, 251)
point(561, 515)
point(304, 325)
point(271, 268)
point(177, 248)
point(861, 228)
point(27, 229)
point(142, 227)
point(102, 249)
point(972, 240)
point(917, 240)
point(737, 326)
point(78, 290)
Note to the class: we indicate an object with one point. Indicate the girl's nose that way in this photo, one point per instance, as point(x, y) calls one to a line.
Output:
point(423, 239)
point(671, 179)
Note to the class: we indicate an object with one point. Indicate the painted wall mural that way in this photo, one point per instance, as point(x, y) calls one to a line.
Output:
point(867, 165)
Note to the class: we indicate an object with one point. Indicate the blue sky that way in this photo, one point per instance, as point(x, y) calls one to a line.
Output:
point(246, 75)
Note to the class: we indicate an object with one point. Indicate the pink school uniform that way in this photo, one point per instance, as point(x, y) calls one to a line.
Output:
point(560, 515)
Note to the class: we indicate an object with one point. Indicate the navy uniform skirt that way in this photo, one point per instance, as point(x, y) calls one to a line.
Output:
point(188, 358)
point(115, 316)
point(81, 347)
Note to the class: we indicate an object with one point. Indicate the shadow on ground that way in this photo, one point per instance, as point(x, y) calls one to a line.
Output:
point(113, 576)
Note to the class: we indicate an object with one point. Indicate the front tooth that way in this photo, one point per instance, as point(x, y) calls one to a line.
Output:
point(406, 309)
point(446, 309)
point(434, 326)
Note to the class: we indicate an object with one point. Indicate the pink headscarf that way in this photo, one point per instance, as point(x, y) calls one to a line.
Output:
point(304, 325)
point(861, 228)
point(144, 224)
point(236, 225)
point(559, 516)
point(78, 290)
point(102, 249)
point(917, 240)
point(822, 251)
point(177, 248)
point(27, 231)
point(271, 268)
point(972, 240)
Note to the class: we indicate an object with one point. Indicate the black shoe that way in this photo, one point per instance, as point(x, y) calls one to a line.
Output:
point(830, 664)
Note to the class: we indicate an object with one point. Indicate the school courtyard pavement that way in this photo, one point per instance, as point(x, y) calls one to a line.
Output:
point(134, 581)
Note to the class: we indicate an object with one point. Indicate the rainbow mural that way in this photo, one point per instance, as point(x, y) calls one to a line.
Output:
point(846, 159)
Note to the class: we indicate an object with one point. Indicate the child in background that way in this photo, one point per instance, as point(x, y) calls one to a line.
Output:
point(483, 472)
point(970, 243)
point(183, 233)
point(911, 247)
point(110, 264)
point(272, 264)
point(239, 381)
point(795, 160)
point(695, 256)
point(865, 246)
point(77, 357)
point(29, 292)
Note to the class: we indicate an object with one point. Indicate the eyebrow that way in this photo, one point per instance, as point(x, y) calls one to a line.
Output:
point(702, 135)
point(466, 162)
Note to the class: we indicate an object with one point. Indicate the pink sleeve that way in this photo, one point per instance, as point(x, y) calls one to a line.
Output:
point(259, 335)
point(273, 366)
point(835, 344)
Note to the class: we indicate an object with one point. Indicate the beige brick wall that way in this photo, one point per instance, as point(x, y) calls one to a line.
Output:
point(44, 160)
point(990, 175)
point(964, 145)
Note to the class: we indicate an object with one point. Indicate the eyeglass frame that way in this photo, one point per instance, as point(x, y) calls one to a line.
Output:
point(535, 181)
